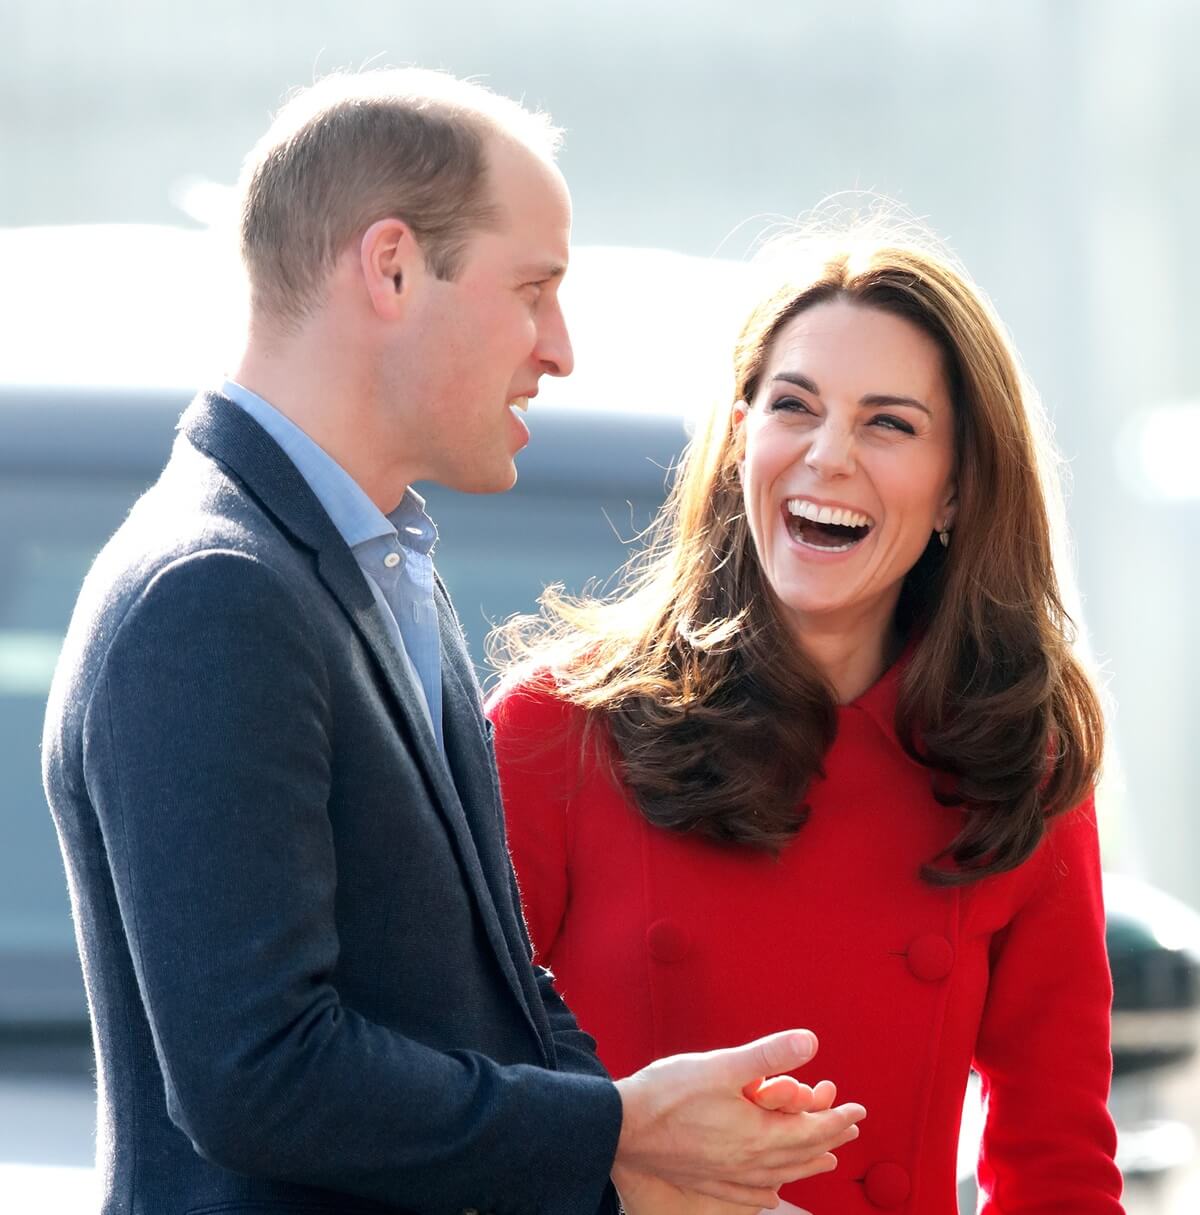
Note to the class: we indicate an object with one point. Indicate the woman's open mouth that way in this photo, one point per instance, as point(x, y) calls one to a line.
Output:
point(828, 529)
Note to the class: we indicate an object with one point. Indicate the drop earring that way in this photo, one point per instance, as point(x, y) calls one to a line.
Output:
point(944, 536)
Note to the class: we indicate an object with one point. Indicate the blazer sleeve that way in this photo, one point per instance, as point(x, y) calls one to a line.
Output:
point(208, 757)
point(1044, 1050)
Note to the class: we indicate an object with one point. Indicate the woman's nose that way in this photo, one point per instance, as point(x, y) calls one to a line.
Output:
point(831, 452)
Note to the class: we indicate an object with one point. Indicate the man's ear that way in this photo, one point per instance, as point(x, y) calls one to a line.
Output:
point(390, 261)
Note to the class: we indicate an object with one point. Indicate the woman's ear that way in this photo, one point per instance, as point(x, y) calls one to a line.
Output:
point(738, 438)
point(389, 260)
point(949, 509)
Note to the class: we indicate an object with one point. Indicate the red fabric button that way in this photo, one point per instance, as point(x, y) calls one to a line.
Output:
point(930, 957)
point(886, 1185)
point(667, 941)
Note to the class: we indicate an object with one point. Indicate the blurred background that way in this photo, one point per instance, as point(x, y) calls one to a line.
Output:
point(1051, 143)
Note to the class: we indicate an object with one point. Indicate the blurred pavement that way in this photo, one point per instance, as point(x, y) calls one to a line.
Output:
point(1178, 1193)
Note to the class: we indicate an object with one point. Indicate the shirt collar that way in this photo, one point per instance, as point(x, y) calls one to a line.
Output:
point(414, 528)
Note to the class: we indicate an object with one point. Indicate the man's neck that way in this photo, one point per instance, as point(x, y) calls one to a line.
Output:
point(323, 402)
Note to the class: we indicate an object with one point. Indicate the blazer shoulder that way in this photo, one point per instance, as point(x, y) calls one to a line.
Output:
point(195, 526)
point(195, 506)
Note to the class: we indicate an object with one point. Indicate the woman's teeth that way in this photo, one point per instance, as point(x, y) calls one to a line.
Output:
point(824, 528)
point(521, 403)
point(803, 509)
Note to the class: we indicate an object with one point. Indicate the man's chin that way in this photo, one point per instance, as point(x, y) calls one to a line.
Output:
point(498, 482)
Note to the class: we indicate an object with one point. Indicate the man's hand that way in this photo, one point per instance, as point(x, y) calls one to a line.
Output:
point(645, 1195)
point(642, 1194)
point(725, 1125)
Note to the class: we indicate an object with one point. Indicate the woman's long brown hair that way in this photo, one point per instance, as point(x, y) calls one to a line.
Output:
point(718, 722)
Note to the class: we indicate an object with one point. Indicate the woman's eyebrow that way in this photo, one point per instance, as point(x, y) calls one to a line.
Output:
point(801, 381)
point(876, 399)
point(872, 400)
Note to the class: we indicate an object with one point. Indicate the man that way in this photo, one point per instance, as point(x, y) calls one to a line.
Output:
point(265, 752)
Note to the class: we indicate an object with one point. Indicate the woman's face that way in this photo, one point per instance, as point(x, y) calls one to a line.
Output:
point(848, 463)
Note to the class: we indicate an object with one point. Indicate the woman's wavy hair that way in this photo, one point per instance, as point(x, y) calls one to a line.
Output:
point(718, 722)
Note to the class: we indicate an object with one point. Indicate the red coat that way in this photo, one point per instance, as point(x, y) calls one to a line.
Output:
point(663, 943)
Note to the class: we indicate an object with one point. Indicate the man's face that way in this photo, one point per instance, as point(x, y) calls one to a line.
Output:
point(488, 336)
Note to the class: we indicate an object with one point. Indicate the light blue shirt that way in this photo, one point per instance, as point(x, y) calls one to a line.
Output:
point(393, 551)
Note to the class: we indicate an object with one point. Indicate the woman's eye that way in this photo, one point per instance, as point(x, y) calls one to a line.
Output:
point(789, 405)
point(890, 422)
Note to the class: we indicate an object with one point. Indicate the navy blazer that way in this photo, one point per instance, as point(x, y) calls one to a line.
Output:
point(308, 973)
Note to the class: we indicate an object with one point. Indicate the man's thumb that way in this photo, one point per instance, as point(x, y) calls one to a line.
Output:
point(771, 1055)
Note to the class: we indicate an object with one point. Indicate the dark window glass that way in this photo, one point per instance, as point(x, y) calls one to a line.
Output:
point(50, 530)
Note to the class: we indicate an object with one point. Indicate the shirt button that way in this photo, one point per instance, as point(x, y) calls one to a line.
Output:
point(930, 958)
point(887, 1185)
point(667, 941)
point(392, 560)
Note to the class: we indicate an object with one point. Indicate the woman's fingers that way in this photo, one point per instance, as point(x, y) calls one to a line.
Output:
point(780, 1093)
point(824, 1094)
point(788, 1095)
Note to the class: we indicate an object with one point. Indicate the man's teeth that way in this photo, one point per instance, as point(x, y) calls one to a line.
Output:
point(521, 403)
point(804, 509)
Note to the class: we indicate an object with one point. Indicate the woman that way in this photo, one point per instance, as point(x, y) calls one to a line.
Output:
point(828, 759)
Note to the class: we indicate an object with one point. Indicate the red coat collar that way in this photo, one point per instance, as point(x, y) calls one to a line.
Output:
point(880, 700)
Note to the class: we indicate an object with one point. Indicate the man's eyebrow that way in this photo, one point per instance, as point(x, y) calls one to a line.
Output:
point(542, 270)
point(872, 400)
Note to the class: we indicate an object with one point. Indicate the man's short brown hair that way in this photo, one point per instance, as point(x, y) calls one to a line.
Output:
point(355, 148)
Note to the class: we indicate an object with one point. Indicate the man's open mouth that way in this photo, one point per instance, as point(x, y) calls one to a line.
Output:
point(832, 529)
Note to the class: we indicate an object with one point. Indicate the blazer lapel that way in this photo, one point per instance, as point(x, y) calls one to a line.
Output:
point(455, 780)
point(344, 580)
point(231, 436)
point(472, 763)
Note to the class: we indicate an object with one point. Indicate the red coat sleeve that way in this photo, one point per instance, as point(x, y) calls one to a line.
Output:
point(539, 768)
point(1043, 1049)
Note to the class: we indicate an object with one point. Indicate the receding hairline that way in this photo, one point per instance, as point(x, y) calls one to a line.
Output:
point(466, 100)
point(324, 169)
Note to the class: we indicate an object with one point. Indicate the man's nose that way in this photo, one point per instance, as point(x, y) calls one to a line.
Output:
point(831, 452)
point(554, 345)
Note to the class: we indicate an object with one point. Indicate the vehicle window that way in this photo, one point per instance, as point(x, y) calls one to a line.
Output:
point(497, 554)
point(50, 530)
